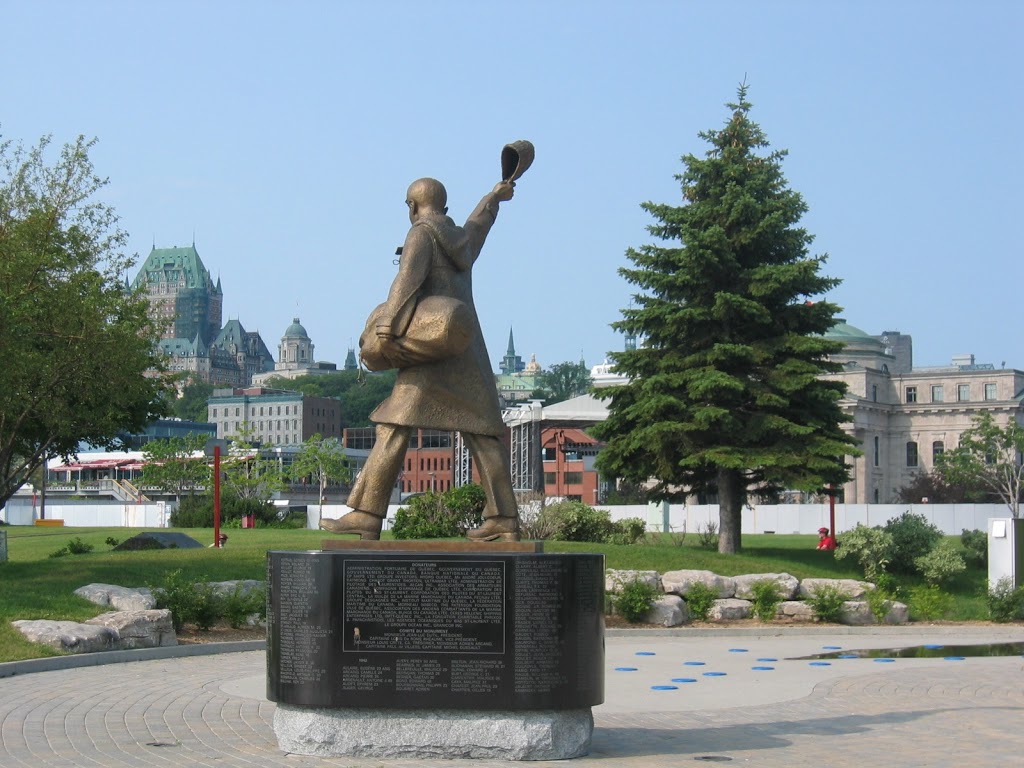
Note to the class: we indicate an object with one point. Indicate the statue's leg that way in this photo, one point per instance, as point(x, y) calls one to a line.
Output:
point(372, 490)
point(501, 514)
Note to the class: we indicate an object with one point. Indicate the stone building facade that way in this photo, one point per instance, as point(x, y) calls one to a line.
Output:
point(188, 305)
point(273, 416)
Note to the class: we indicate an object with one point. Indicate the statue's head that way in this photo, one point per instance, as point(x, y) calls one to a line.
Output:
point(426, 196)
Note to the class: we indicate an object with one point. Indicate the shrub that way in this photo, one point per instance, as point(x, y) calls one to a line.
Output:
point(827, 602)
point(942, 564)
point(74, 547)
point(577, 521)
point(241, 604)
point(707, 535)
point(871, 547)
point(766, 599)
point(700, 598)
point(197, 512)
point(424, 517)
point(188, 602)
point(441, 515)
point(112, 542)
point(1005, 602)
point(634, 600)
point(628, 531)
point(912, 537)
point(929, 602)
point(466, 504)
point(975, 544)
point(536, 522)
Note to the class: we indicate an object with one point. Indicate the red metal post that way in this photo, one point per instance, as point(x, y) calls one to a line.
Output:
point(832, 511)
point(216, 496)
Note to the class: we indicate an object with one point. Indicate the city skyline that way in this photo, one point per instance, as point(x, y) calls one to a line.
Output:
point(281, 139)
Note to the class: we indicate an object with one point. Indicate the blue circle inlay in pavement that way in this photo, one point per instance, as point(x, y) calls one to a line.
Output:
point(684, 679)
point(645, 653)
point(885, 661)
point(847, 656)
point(933, 646)
point(955, 658)
point(821, 663)
point(664, 687)
point(693, 663)
point(737, 650)
point(831, 647)
point(763, 669)
point(766, 658)
point(714, 674)
point(625, 669)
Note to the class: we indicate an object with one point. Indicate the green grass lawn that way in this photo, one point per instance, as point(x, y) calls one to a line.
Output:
point(35, 586)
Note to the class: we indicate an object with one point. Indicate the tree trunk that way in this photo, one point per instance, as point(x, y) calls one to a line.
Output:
point(732, 495)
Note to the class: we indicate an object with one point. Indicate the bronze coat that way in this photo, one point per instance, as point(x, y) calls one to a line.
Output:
point(457, 394)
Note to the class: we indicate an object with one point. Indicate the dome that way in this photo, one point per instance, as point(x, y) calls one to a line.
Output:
point(843, 331)
point(295, 330)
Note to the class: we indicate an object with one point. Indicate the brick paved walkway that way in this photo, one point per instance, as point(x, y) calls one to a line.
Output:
point(209, 711)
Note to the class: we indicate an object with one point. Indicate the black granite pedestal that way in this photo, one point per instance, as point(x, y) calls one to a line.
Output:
point(433, 653)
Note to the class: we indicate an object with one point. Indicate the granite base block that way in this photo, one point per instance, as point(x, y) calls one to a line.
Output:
point(529, 735)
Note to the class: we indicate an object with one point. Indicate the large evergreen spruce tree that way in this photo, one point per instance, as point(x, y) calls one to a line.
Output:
point(725, 391)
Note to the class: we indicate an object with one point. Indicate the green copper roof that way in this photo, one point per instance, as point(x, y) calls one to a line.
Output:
point(843, 331)
point(295, 330)
point(173, 265)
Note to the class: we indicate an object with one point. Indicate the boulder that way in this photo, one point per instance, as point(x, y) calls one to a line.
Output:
point(69, 636)
point(120, 598)
point(730, 609)
point(244, 586)
point(856, 613)
point(679, 582)
point(614, 579)
point(139, 629)
point(899, 613)
point(788, 585)
point(794, 610)
point(851, 588)
point(668, 611)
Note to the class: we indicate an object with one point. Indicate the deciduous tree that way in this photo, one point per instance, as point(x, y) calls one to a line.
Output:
point(176, 465)
point(989, 455)
point(725, 392)
point(322, 460)
point(74, 345)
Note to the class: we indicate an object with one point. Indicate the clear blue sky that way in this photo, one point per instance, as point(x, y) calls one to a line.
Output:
point(284, 135)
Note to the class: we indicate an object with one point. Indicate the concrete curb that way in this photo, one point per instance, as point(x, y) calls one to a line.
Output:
point(52, 663)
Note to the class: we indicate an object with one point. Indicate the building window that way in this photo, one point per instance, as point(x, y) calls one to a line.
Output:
point(938, 448)
point(911, 394)
point(963, 393)
point(549, 454)
point(911, 454)
point(874, 393)
point(938, 393)
point(574, 478)
point(236, 412)
point(876, 495)
point(549, 480)
point(214, 413)
point(990, 391)
point(877, 450)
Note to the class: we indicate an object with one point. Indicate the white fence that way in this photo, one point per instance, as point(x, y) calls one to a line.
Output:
point(92, 515)
point(951, 519)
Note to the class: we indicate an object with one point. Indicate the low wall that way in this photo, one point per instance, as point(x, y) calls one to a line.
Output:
point(92, 515)
point(951, 519)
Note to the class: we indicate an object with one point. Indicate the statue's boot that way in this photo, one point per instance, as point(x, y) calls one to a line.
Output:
point(365, 524)
point(496, 529)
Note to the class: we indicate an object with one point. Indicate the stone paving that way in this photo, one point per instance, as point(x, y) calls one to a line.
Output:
point(210, 710)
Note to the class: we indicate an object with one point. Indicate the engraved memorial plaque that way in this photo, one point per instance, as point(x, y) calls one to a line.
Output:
point(502, 631)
